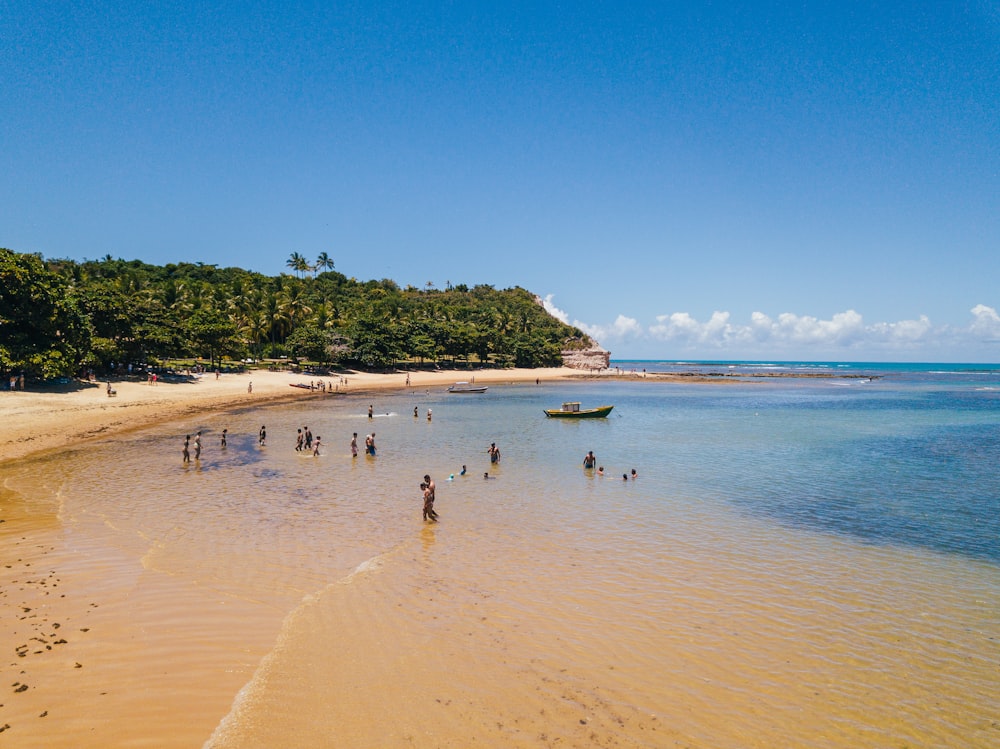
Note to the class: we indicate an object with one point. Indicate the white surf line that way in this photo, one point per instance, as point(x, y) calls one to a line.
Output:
point(244, 698)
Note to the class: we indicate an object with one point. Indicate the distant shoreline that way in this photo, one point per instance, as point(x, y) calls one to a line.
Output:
point(38, 421)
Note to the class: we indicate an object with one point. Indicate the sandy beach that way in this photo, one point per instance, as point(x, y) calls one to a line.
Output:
point(37, 422)
point(41, 420)
point(262, 596)
point(51, 418)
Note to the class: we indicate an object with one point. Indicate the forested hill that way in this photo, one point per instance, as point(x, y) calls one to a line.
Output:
point(58, 317)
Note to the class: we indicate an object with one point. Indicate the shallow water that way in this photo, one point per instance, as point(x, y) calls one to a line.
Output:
point(798, 563)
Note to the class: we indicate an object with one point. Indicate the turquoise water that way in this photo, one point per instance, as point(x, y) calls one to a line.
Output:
point(908, 457)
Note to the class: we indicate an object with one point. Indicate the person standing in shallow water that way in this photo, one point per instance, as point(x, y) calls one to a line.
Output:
point(224, 433)
point(185, 451)
point(262, 436)
point(197, 446)
point(431, 486)
point(429, 513)
point(494, 452)
point(589, 460)
point(354, 445)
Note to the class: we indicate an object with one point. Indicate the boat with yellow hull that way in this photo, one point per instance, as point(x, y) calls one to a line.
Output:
point(572, 410)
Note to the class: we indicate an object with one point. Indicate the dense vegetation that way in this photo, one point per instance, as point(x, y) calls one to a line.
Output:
point(59, 317)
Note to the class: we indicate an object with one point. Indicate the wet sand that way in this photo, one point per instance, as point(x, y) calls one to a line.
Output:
point(59, 631)
point(444, 639)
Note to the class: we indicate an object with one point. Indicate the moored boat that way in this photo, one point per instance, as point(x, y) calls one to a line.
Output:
point(466, 387)
point(572, 410)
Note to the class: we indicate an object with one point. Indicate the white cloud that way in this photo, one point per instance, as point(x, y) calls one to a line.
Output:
point(803, 336)
point(623, 327)
point(553, 310)
point(985, 323)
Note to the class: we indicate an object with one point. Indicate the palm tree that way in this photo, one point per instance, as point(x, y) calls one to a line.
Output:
point(323, 262)
point(294, 305)
point(297, 263)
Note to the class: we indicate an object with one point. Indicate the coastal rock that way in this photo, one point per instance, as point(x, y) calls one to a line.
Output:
point(593, 357)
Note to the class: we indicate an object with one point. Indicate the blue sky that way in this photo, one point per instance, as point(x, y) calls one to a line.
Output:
point(680, 179)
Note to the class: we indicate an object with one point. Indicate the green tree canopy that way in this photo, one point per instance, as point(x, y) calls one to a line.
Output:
point(56, 315)
point(43, 332)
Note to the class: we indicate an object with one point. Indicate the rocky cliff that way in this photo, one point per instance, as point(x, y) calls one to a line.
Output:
point(593, 357)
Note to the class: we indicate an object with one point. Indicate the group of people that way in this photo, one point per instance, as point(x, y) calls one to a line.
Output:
point(590, 460)
point(304, 441)
point(186, 450)
point(369, 445)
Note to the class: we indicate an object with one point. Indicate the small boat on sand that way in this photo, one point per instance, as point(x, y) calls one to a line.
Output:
point(467, 387)
point(572, 410)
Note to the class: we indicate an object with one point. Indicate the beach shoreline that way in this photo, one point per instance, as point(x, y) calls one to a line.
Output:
point(261, 593)
point(37, 421)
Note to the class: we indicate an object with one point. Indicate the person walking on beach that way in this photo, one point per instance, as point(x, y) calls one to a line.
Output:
point(224, 433)
point(316, 446)
point(494, 452)
point(354, 445)
point(262, 436)
point(589, 460)
point(250, 386)
point(197, 446)
point(185, 451)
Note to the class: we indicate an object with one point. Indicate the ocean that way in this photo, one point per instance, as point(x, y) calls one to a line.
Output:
point(802, 562)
